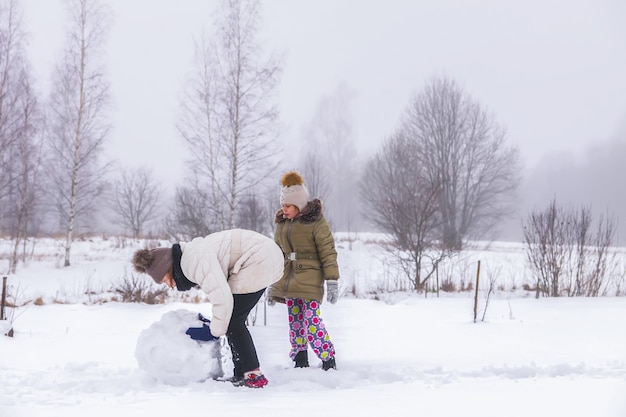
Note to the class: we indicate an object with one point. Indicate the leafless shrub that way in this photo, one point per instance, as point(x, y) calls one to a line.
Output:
point(565, 256)
point(136, 289)
point(447, 285)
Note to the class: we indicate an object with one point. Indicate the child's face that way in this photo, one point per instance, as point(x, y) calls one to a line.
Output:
point(169, 280)
point(290, 211)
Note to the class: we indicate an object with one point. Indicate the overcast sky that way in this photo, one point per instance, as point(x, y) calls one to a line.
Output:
point(552, 72)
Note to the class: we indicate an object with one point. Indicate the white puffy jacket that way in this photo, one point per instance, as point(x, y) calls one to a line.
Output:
point(230, 262)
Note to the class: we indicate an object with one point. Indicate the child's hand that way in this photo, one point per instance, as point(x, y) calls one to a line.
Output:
point(332, 290)
point(201, 333)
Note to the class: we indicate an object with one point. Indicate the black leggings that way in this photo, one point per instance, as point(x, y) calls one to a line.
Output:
point(239, 339)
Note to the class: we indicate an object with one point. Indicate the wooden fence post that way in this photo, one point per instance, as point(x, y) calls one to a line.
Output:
point(4, 297)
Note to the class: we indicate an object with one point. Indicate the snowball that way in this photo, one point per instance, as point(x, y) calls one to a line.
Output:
point(166, 353)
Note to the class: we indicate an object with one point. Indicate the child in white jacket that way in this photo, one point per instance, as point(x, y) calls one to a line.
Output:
point(233, 267)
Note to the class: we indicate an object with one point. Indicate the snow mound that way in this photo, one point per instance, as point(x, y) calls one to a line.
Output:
point(5, 327)
point(169, 355)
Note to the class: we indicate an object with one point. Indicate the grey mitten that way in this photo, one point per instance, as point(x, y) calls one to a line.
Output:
point(332, 291)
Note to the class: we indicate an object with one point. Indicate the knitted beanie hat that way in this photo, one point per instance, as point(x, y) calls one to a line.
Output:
point(154, 262)
point(293, 190)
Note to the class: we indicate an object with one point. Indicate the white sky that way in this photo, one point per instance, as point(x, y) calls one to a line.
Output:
point(402, 355)
point(551, 72)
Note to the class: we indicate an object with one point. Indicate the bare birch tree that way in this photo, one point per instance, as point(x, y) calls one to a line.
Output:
point(229, 115)
point(464, 151)
point(78, 117)
point(136, 199)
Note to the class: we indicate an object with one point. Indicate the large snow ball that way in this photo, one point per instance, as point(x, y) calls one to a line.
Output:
point(166, 353)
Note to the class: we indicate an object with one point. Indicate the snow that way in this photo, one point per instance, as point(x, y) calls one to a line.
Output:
point(78, 352)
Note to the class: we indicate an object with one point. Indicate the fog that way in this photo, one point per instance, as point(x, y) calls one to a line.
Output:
point(593, 179)
point(550, 72)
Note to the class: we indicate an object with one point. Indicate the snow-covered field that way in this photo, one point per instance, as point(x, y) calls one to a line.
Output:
point(76, 353)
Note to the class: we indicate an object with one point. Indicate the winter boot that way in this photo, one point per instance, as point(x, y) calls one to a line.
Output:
point(301, 359)
point(253, 379)
point(329, 364)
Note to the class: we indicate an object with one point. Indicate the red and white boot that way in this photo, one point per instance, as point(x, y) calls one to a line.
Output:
point(252, 379)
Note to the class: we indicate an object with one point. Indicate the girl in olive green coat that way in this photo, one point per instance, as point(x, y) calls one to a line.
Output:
point(310, 261)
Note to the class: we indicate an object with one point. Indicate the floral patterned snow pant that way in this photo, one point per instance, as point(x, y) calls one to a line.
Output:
point(307, 328)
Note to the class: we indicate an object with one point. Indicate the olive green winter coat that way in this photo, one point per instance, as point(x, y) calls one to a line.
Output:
point(310, 254)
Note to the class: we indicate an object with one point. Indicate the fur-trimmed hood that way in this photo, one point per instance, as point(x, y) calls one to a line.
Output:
point(310, 214)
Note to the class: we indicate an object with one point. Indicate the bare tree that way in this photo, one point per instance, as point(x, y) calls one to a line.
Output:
point(136, 199)
point(11, 70)
point(27, 159)
point(78, 117)
point(253, 214)
point(317, 179)
point(400, 199)
point(330, 158)
point(465, 153)
point(228, 118)
point(20, 145)
point(193, 213)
